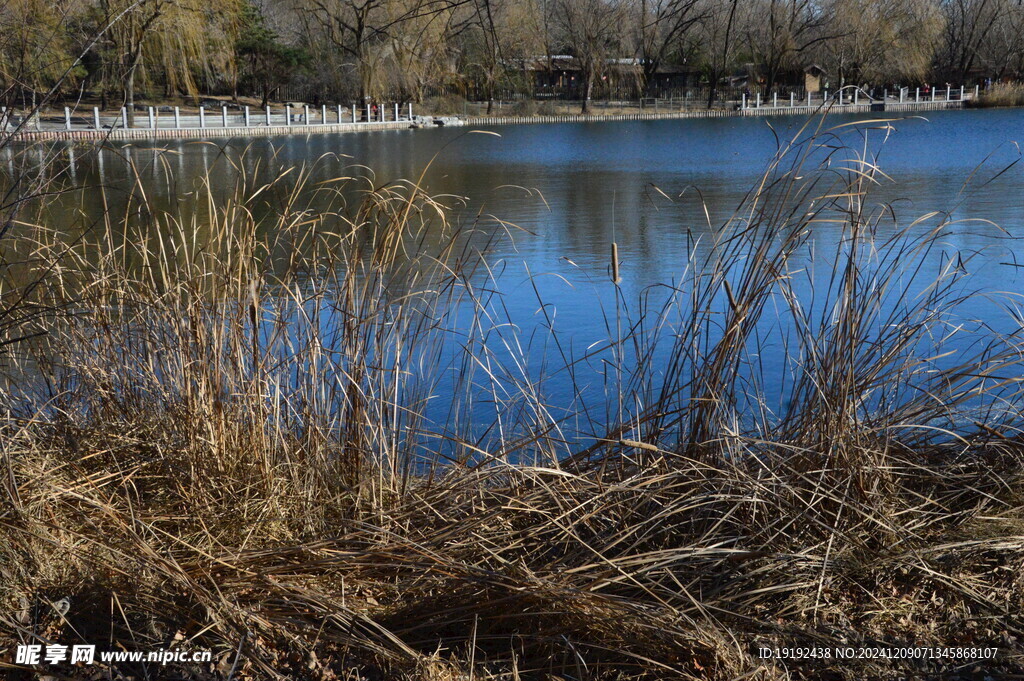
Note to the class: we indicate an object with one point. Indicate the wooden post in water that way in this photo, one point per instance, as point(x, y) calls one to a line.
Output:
point(339, 114)
point(775, 100)
point(224, 116)
point(410, 111)
point(96, 118)
point(758, 99)
point(353, 113)
point(268, 115)
point(323, 114)
point(792, 99)
point(808, 99)
point(977, 89)
point(177, 118)
point(961, 93)
point(917, 95)
point(202, 117)
point(856, 96)
point(152, 121)
point(67, 118)
point(396, 111)
point(124, 118)
point(367, 113)
point(305, 113)
point(287, 115)
point(743, 101)
point(247, 117)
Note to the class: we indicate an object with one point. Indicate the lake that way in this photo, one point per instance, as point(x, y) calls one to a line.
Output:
point(655, 188)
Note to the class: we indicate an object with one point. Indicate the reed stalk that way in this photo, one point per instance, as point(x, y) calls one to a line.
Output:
point(296, 415)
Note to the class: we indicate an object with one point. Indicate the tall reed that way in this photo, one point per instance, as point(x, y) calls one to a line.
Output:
point(298, 417)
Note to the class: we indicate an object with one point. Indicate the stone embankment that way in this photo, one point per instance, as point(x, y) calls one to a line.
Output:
point(906, 107)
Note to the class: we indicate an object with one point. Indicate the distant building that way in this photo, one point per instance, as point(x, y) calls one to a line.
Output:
point(813, 77)
point(561, 75)
point(558, 72)
point(674, 76)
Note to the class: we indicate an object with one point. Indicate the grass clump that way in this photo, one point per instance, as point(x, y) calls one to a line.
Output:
point(229, 441)
point(1001, 94)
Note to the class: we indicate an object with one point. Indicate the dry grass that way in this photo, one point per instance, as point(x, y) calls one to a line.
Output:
point(1001, 94)
point(228, 439)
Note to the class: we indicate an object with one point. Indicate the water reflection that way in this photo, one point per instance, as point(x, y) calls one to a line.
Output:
point(660, 190)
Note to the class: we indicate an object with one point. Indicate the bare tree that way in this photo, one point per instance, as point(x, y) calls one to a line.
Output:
point(971, 25)
point(1001, 54)
point(779, 32)
point(664, 26)
point(500, 32)
point(594, 30)
point(720, 40)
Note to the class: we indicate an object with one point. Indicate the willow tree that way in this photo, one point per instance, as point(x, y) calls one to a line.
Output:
point(351, 27)
point(35, 49)
point(369, 31)
point(173, 37)
point(498, 34)
point(417, 51)
point(880, 40)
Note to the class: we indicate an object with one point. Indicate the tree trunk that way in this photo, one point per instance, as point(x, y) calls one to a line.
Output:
point(588, 90)
point(129, 97)
point(724, 65)
point(129, 86)
point(366, 78)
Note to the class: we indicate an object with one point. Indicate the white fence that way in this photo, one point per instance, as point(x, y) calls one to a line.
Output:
point(172, 118)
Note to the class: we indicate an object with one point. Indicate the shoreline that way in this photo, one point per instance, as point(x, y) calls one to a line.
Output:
point(276, 130)
point(834, 109)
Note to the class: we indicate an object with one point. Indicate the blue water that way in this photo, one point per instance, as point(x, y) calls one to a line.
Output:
point(655, 188)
